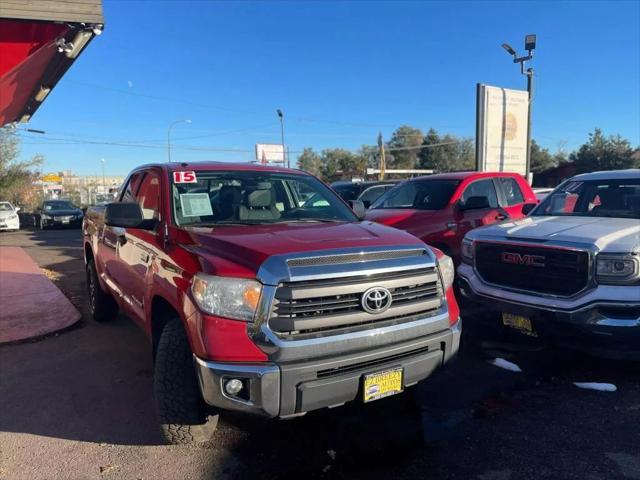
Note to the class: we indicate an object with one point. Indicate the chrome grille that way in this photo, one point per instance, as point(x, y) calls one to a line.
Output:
point(301, 307)
point(354, 257)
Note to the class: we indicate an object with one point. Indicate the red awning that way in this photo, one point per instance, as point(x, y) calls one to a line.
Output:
point(29, 56)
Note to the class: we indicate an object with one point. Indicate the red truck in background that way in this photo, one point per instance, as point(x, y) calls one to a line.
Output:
point(441, 209)
point(258, 301)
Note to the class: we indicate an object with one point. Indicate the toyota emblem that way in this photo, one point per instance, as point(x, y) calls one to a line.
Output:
point(376, 300)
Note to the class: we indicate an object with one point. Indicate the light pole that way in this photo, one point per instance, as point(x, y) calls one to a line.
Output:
point(529, 46)
point(284, 155)
point(169, 136)
point(104, 183)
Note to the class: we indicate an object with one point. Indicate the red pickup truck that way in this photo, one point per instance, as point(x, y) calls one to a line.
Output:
point(441, 209)
point(258, 300)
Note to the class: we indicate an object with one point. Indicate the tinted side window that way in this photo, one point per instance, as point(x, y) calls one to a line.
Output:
point(511, 189)
point(148, 196)
point(131, 188)
point(372, 193)
point(482, 188)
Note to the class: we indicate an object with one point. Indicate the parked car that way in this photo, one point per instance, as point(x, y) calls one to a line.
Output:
point(366, 192)
point(569, 273)
point(9, 219)
point(441, 209)
point(256, 301)
point(58, 213)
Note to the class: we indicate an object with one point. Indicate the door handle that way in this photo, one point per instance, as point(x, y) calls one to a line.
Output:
point(144, 257)
point(500, 217)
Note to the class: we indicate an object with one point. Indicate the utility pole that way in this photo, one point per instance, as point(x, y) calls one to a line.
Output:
point(104, 183)
point(382, 164)
point(169, 136)
point(284, 155)
point(529, 46)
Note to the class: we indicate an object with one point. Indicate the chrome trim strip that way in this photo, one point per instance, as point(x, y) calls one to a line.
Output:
point(619, 322)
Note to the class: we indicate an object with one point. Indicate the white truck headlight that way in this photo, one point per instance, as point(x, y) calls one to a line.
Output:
point(617, 268)
point(467, 251)
point(235, 298)
point(447, 271)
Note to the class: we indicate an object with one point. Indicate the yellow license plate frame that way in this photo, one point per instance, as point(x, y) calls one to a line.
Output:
point(383, 384)
point(519, 322)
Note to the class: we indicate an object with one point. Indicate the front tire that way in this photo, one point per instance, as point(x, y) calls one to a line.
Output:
point(102, 305)
point(181, 410)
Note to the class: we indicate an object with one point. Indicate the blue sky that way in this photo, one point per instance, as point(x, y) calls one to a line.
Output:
point(341, 72)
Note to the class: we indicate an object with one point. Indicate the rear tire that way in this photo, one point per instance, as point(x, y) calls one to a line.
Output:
point(102, 306)
point(181, 410)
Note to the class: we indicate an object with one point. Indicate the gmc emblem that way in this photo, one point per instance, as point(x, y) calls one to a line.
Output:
point(519, 259)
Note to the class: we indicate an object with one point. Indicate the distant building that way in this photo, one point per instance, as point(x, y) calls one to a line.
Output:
point(552, 177)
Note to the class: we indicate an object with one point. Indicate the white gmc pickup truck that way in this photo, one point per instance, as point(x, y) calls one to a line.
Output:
point(569, 273)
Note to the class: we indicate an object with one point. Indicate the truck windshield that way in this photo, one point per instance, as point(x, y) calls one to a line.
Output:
point(247, 197)
point(593, 198)
point(419, 194)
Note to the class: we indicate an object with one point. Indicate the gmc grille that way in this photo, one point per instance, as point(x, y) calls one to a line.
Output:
point(537, 269)
point(303, 307)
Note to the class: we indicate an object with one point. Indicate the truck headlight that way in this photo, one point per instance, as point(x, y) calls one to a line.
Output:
point(13, 217)
point(235, 298)
point(447, 271)
point(617, 268)
point(467, 251)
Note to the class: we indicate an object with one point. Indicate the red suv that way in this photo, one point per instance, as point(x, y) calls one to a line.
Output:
point(441, 209)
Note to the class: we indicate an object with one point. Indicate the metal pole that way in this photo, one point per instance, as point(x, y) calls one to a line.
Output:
point(383, 161)
point(284, 156)
point(530, 92)
point(104, 183)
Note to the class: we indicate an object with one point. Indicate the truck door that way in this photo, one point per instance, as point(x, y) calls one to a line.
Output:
point(467, 220)
point(111, 239)
point(511, 196)
point(141, 247)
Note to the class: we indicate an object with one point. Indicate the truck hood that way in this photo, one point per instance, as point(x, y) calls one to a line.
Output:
point(250, 246)
point(615, 235)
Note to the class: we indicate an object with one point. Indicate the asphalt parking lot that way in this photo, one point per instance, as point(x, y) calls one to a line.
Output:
point(79, 405)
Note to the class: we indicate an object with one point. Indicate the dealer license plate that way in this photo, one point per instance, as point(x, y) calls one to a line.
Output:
point(523, 324)
point(382, 384)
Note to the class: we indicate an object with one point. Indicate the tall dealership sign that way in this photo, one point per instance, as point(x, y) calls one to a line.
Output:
point(270, 153)
point(501, 129)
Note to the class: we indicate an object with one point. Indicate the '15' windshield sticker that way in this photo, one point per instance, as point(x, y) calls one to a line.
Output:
point(185, 177)
point(195, 204)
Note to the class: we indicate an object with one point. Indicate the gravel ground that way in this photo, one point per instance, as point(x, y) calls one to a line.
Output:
point(79, 405)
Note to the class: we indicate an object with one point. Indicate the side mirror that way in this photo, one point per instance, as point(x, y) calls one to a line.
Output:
point(17, 209)
point(475, 203)
point(366, 203)
point(358, 208)
point(527, 207)
point(126, 215)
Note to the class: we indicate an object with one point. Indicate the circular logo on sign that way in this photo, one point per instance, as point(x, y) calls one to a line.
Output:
point(376, 300)
point(510, 126)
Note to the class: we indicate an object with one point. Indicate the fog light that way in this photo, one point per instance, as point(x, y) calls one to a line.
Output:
point(233, 386)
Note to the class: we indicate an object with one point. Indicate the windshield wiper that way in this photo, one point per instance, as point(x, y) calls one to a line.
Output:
point(311, 220)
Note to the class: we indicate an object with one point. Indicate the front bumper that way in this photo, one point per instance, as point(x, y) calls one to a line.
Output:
point(10, 224)
point(290, 389)
point(52, 222)
point(604, 321)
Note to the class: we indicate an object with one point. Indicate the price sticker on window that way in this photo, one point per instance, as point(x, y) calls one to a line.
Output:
point(185, 177)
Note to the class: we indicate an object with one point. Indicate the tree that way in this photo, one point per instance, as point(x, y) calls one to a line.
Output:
point(604, 153)
point(405, 137)
point(541, 159)
point(311, 162)
point(447, 153)
point(16, 176)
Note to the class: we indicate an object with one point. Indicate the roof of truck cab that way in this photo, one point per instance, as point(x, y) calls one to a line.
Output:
point(465, 175)
point(632, 173)
point(218, 166)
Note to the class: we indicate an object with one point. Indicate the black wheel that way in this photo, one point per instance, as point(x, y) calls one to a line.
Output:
point(184, 417)
point(102, 305)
